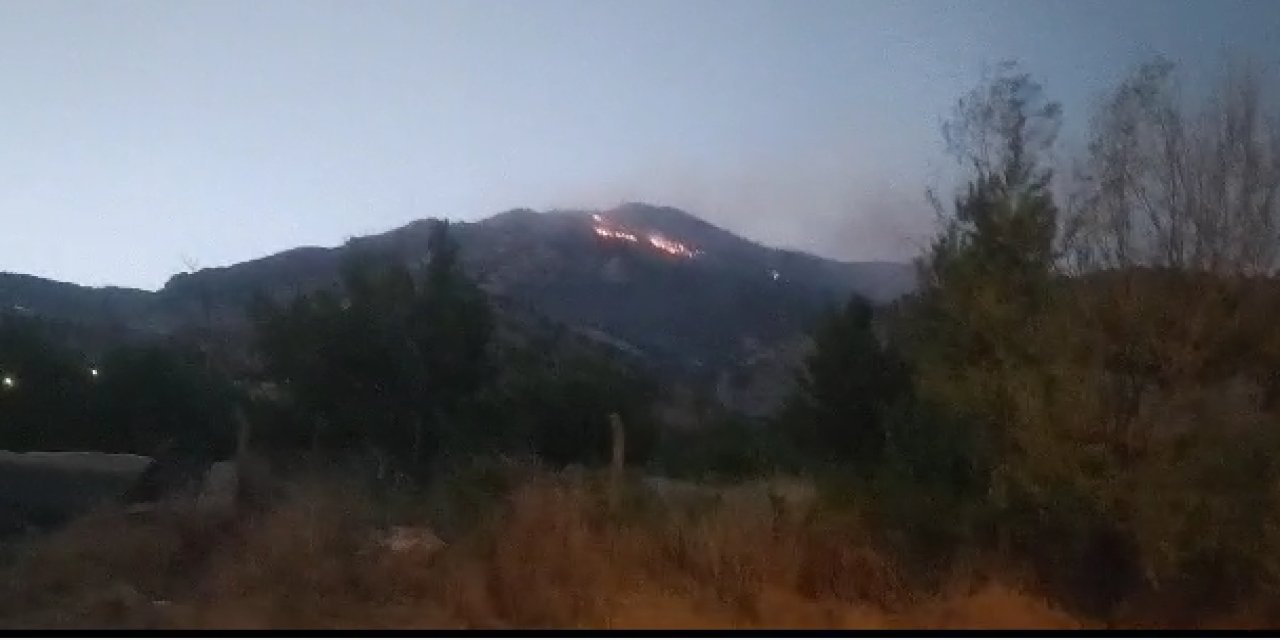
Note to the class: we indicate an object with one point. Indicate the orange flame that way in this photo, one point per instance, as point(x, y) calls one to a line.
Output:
point(671, 246)
point(655, 240)
point(620, 235)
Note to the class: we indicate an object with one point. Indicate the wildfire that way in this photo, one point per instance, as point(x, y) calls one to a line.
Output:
point(653, 239)
point(620, 235)
point(671, 246)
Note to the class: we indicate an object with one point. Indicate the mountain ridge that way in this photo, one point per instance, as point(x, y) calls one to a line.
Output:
point(687, 294)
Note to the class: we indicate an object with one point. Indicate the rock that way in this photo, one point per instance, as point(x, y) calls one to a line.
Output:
point(220, 489)
point(416, 539)
point(674, 492)
point(49, 488)
point(167, 478)
point(253, 481)
point(141, 509)
point(121, 596)
point(796, 494)
point(789, 494)
point(81, 461)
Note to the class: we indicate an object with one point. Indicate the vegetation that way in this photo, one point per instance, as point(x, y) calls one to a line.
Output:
point(389, 361)
point(1083, 393)
point(148, 399)
point(850, 384)
point(1088, 364)
point(548, 555)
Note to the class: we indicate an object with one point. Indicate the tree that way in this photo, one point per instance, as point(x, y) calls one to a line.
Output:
point(389, 361)
point(987, 277)
point(1178, 233)
point(986, 347)
point(1107, 407)
point(450, 327)
point(563, 409)
point(846, 389)
point(153, 400)
point(161, 400)
point(1168, 185)
point(44, 389)
point(1004, 225)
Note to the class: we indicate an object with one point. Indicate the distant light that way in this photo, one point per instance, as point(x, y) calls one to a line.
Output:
point(93, 372)
point(8, 382)
point(775, 274)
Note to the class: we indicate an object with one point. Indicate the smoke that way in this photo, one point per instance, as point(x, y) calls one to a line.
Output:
point(819, 205)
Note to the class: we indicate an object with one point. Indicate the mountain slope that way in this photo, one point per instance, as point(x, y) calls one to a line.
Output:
point(659, 282)
point(24, 294)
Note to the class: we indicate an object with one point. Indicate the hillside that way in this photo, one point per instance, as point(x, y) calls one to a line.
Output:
point(687, 296)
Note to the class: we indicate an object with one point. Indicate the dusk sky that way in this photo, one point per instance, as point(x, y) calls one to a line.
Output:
point(135, 133)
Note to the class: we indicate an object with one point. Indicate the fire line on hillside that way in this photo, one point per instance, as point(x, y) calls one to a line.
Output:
point(654, 239)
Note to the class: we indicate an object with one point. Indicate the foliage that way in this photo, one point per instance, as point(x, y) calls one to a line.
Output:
point(848, 385)
point(1102, 416)
point(163, 400)
point(1080, 418)
point(727, 447)
point(389, 361)
point(45, 388)
point(149, 400)
point(407, 365)
point(564, 410)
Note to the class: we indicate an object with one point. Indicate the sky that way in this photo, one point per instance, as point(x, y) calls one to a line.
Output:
point(140, 137)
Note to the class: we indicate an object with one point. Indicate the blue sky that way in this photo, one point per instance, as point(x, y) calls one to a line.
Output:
point(134, 133)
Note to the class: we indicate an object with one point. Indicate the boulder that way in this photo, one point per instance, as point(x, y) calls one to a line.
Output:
point(220, 490)
point(167, 478)
point(47, 488)
point(684, 493)
point(795, 494)
point(412, 539)
point(790, 494)
point(254, 484)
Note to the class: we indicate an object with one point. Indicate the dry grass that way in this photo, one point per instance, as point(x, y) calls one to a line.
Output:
point(551, 555)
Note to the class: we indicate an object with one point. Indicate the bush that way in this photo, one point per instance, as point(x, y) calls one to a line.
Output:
point(564, 410)
point(728, 448)
point(148, 400)
point(160, 401)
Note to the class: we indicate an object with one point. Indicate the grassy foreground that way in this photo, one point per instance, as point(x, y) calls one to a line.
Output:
point(527, 549)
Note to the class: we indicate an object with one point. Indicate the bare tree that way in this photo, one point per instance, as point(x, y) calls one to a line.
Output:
point(1004, 125)
point(1178, 200)
point(1166, 185)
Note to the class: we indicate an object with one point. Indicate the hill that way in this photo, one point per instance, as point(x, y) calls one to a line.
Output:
point(687, 296)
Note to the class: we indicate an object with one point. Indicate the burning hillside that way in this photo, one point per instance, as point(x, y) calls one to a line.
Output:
point(611, 231)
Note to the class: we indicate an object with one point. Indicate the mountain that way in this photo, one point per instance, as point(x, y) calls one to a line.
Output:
point(24, 294)
point(683, 294)
point(673, 286)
